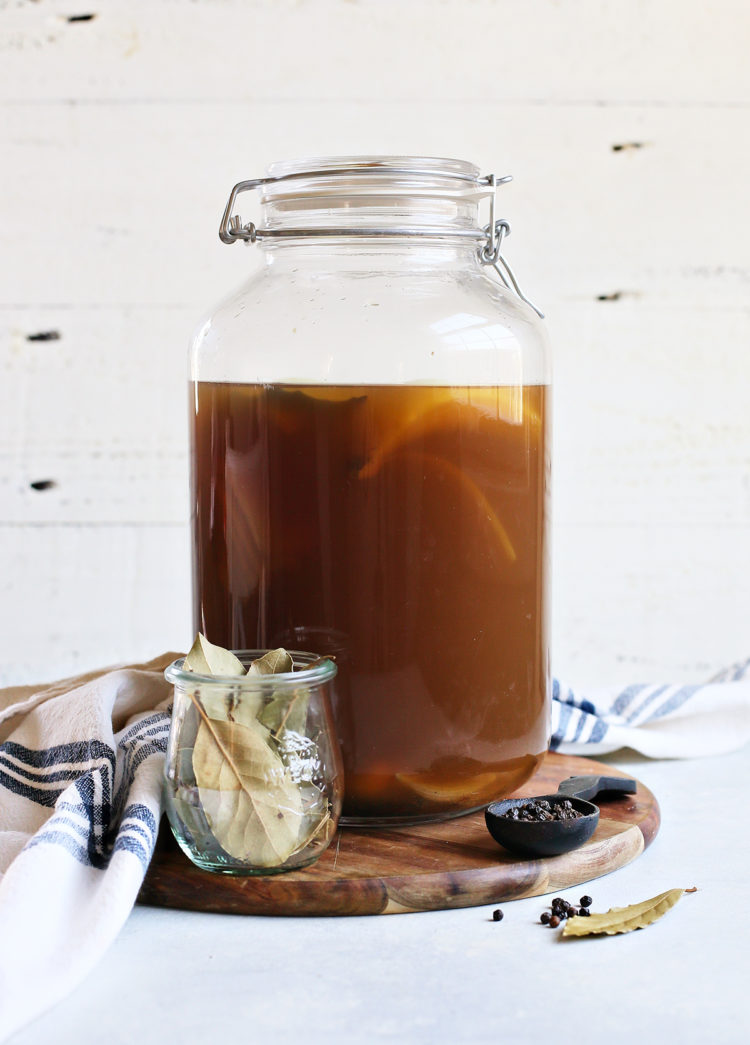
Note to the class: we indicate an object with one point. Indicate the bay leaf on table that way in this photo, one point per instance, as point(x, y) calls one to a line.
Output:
point(253, 806)
point(623, 919)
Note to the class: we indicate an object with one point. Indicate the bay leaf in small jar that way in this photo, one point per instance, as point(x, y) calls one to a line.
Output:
point(220, 703)
point(206, 659)
point(254, 767)
point(275, 662)
point(286, 714)
point(252, 804)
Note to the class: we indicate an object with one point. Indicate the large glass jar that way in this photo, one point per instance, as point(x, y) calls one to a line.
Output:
point(370, 468)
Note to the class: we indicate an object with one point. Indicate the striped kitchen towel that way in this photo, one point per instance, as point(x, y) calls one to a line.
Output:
point(81, 766)
point(659, 720)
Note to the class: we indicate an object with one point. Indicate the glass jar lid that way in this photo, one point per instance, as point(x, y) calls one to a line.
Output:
point(377, 197)
point(378, 176)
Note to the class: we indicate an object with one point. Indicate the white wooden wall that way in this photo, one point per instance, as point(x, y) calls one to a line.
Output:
point(626, 124)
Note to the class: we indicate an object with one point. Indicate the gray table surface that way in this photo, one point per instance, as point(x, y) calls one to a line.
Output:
point(455, 976)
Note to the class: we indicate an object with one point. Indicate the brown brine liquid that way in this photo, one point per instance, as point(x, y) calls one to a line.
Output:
point(401, 529)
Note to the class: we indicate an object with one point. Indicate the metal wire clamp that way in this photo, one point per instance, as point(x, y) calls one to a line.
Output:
point(490, 237)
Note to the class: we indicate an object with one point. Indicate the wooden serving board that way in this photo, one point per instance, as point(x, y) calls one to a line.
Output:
point(455, 863)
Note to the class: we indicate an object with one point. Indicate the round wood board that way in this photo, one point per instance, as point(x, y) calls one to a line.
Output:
point(431, 867)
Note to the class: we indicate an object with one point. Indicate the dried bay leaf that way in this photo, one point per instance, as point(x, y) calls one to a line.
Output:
point(253, 806)
point(224, 704)
point(274, 662)
point(623, 919)
point(253, 765)
point(231, 706)
point(206, 659)
point(220, 702)
point(324, 822)
point(284, 713)
point(301, 756)
point(254, 827)
point(227, 751)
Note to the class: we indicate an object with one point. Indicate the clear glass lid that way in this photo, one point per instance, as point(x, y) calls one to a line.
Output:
point(374, 177)
point(374, 191)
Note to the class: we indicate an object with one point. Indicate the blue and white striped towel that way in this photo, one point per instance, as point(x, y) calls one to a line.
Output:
point(658, 720)
point(80, 799)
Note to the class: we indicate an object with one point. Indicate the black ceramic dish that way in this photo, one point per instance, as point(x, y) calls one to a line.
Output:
point(553, 837)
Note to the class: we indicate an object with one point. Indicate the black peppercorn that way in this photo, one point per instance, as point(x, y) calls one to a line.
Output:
point(497, 916)
point(585, 912)
point(542, 811)
point(544, 917)
point(585, 901)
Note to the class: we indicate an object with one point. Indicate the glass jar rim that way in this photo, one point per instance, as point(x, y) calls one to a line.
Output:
point(437, 166)
point(324, 669)
point(373, 176)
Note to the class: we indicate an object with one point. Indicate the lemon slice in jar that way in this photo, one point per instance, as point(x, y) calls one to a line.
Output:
point(433, 787)
point(444, 471)
point(445, 409)
point(473, 493)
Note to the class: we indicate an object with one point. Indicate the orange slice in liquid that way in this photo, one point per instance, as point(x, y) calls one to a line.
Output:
point(441, 408)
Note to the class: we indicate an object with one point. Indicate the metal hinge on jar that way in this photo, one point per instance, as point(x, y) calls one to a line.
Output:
point(490, 237)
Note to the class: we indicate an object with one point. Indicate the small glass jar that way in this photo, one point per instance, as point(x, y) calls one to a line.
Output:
point(253, 771)
point(370, 418)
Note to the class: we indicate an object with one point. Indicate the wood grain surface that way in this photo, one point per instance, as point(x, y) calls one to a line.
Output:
point(431, 867)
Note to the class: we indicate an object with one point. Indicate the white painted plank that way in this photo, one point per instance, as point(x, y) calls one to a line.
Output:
point(102, 412)
point(407, 50)
point(650, 417)
point(648, 603)
point(72, 598)
point(120, 204)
